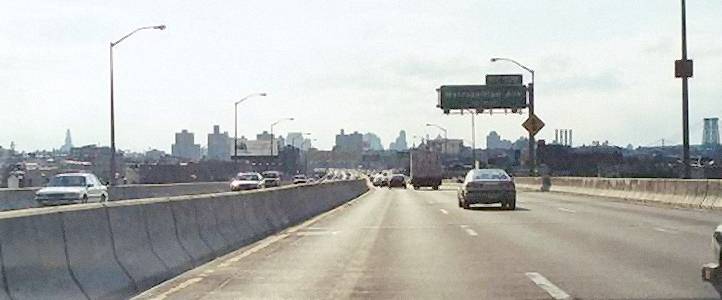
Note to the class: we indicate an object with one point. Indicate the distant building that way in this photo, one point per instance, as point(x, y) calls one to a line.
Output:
point(99, 157)
point(307, 145)
point(710, 134)
point(400, 143)
point(264, 136)
point(261, 146)
point(446, 146)
point(154, 155)
point(372, 142)
point(351, 143)
point(296, 139)
point(219, 145)
point(494, 141)
point(65, 148)
point(185, 147)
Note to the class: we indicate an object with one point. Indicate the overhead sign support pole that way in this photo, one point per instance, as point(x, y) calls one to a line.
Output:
point(532, 143)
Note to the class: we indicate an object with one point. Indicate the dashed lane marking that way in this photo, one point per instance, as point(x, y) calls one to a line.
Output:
point(471, 232)
point(468, 230)
point(548, 286)
point(566, 210)
point(665, 230)
point(444, 211)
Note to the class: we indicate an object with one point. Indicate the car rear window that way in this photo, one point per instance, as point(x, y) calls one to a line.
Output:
point(489, 174)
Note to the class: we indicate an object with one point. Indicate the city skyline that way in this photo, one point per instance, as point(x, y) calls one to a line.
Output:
point(376, 87)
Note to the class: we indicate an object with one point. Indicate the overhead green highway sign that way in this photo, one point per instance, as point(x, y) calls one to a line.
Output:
point(481, 97)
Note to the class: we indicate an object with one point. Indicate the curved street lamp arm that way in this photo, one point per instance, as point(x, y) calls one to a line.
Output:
point(160, 27)
point(516, 63)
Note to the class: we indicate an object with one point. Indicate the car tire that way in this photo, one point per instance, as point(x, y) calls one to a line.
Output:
point(416, 187)
point(85, 199)
point(436, 187)
point(511, 205)
point(103, 198)
point(465, 205)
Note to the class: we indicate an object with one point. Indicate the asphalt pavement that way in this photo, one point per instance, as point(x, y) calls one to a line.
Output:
point(407, 244)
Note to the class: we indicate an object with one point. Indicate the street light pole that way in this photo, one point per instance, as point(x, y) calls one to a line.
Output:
point(111, 178)
point(685, 98)
point(274, 124)
point(446, 137)
point(473, 141)
point(473, 137)
point(235, 121)
point(532, 148)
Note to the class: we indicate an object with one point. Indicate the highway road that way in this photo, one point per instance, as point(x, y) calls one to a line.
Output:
point(410, 244)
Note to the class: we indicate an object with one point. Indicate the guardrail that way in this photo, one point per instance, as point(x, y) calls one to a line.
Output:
point(118, 249)
point(699, 193)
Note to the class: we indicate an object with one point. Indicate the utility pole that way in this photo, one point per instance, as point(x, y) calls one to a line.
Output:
point(683, 69)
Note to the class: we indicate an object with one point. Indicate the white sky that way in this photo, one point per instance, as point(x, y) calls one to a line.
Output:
point(604, 68)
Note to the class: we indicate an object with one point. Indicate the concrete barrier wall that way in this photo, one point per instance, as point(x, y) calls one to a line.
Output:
point(12, 199)
point(118, 249)
point(698, 193)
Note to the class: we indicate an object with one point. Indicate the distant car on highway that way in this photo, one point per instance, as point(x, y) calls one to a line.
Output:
point(271, 178)
point(377, 179)
point(72, 188)
point(711, 271)
point(397, 180)
point(487, 186)
point(300, 179)
point(247, 181)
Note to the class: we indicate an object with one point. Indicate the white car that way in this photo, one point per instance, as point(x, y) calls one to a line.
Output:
point(299, 179)
point(72, 188)
point(247, 181)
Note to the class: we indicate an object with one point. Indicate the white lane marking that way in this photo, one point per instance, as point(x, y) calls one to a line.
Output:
point(316, 233)
point(176, 288)
point(566, 210)
point(548, 286)
point(444, 211)
point(665, 230)
point(261, 245)
point(468, 230)
point(471, 232)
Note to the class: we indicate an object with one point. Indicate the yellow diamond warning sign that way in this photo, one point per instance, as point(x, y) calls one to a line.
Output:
point(533, 124)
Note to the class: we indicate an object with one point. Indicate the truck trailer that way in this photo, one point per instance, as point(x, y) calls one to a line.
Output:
point(426, 169)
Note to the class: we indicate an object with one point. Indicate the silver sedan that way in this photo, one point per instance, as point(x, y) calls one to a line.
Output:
point(487, 186)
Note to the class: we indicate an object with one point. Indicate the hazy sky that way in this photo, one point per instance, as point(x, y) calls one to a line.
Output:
point(604, 68)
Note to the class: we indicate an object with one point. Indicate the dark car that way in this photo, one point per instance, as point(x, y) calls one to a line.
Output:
point(397, 180)
point(271, 178)
point(487, 186)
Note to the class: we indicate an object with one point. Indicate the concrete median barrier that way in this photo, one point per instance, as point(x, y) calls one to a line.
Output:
point(34, 258)
point(116, 250)
point(208, 226)
point(91, 255)
point(161, 227)
point(697, 193)
point(133, 246)
point(188, 230)
point(14, 199)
